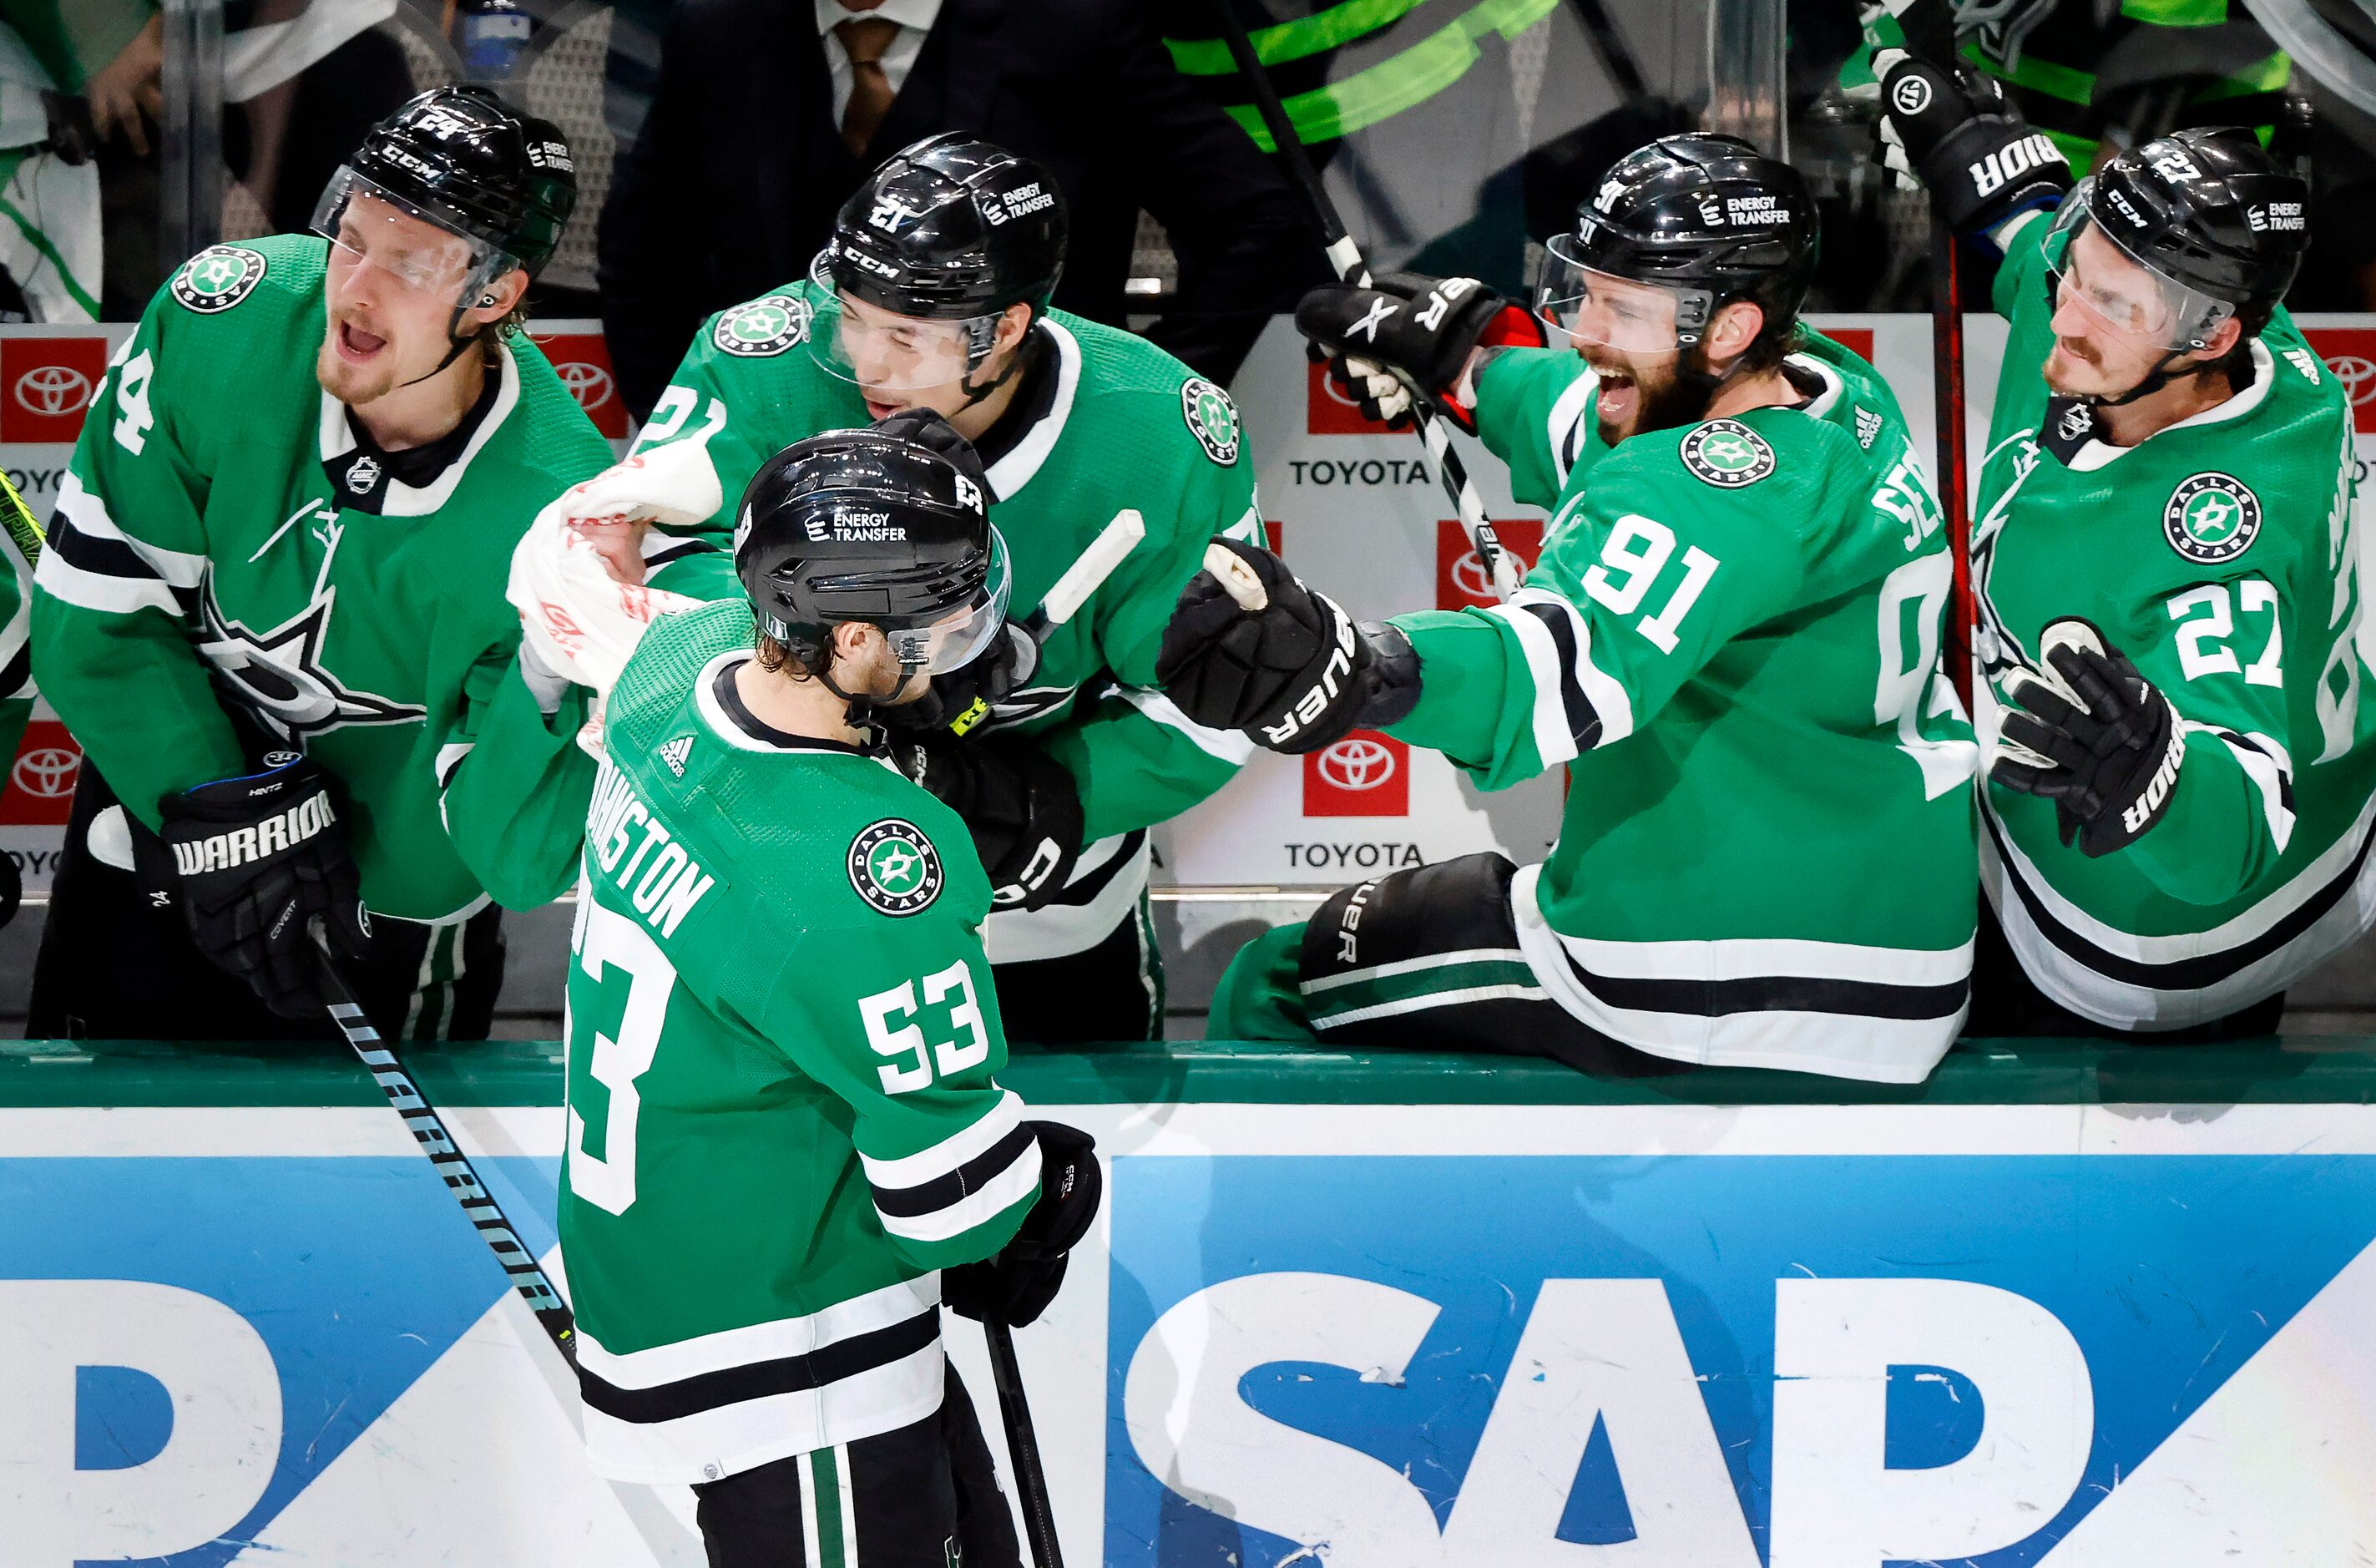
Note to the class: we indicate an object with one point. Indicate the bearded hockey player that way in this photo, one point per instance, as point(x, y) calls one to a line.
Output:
point(2177, 817)
point(271, 606)
point(932, 298)
point(786, 1145)
point(1730, 641)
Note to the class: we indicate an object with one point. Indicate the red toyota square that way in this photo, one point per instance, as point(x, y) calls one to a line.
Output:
point(1272, 529)
point(45, 384)
point(583, 361)
point(1460, 579)
point(1328, 411)
point(1857, 341)
point(42, 783)
point(2350, 354)
point(1365, 774)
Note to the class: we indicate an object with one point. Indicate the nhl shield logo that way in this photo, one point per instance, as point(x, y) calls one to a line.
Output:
point(763, 327)
point(1728, 454)
point(2211, 518)
point(219, 277)
point(1212, 419)
point(895, 867)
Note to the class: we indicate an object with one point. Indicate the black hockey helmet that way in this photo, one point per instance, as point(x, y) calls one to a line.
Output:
point(1706, 217)
point(2221, 223)
point(464, 160)
point(950, 228)
point(861, 525)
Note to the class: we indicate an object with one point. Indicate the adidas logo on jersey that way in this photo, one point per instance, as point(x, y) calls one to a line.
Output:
point(243, 846)
point(2305, 361)
point(672, 754)
point(1868, 425)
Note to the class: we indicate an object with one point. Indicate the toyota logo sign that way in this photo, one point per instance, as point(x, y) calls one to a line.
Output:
point(1469, 575)
point(590, 384)
point(1357, 763)
point(52, 390)
point(2358, 374)
point(47, 772)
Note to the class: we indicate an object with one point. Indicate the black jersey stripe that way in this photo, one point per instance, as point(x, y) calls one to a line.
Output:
point(1085, 888)
point(86, 551)
point(1773, 993)
point(18, 674)
point(761, 1380)
point(2186, 974)
point(677, 550)
point(1583, 718)
point(953, 1187)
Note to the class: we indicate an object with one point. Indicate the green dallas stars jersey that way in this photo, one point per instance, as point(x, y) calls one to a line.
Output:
point(223, 545)
point(1731, 640)
point(782, 1116)
point(1109, 422)
point(2220, 554)
point(21, 546)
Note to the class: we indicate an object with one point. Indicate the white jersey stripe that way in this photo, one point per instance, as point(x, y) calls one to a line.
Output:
point(1002, 1192)
point(967, 1144)
point(1230, 745)
point(107, 594)
point(89, 514)
point(759, 1341)
point(1553, 742)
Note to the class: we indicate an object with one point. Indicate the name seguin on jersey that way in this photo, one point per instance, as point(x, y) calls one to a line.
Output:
point(243, 846)
point(664, 886)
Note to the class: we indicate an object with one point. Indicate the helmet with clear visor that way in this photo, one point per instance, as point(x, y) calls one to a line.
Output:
point(493, 187)
point(855, 525)
point(2201, 226)
point(926, 256)
point(1678, 230)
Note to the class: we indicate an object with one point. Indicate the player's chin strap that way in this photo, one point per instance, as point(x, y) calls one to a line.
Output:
point(861, 710)
point(2161, 375)
point(1027, 350)
point(457, 343)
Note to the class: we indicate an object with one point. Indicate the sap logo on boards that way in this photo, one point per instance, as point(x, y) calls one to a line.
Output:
point(1737, 1361)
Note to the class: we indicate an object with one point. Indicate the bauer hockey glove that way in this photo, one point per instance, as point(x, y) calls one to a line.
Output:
point(1957, 134)
point(1405, 324)
point(1015, 1285)
point(1023, 808)
point(1293, 670)
point(255, 860)
point(2111, 744)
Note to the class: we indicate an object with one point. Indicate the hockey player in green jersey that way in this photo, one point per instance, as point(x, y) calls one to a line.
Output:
point(2182, 779)
point(787, 1144)
point(271, 607)
point(931, 296)
point(1730, 641)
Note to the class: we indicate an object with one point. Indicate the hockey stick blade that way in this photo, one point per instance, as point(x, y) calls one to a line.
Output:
point(1084, 576)
point(1023, 1447)
point(445, 1155)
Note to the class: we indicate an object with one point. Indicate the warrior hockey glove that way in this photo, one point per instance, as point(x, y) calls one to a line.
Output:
point(1981, 162)
point(1015, 1287)
point(1295, 673)
point(2112, 742)
point(1024, 810)
point(255, 860)
point(1408, 324)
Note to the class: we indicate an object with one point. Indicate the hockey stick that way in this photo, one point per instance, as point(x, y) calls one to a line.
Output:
point(1345, 255)
point(1083, 577)
point(1023, 1445)
point(445, 1155)
point(1930, 34)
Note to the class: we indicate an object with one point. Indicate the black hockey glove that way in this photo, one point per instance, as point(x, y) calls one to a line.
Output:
point(2111, 743)
point(1024, 809)
point(12, 889)
point(254, 860)
point(1979, 159)
point(1424, 328)
point(1015, 1285)
point(1296, 674)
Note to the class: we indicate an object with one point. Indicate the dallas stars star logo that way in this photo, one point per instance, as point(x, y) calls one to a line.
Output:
point(2211, 518)
point(279, 676)
point(894, 867)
